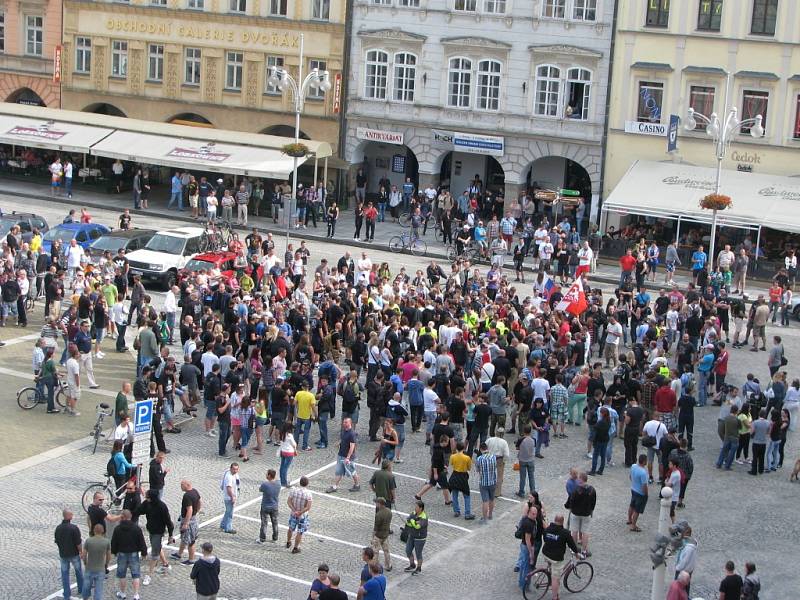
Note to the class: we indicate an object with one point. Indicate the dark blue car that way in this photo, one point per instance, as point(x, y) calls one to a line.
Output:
point(83, 233)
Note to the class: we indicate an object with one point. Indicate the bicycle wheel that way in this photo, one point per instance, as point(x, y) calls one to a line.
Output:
point(396, 244)
point(452, 255)
point(88, 495)
point(538, 584)
point(579, 577)
point(28, 397)
point(96, 435)
point(30, 303)
point(204, 242)
point(419, 247)
point(61, 397)
point(438, 234)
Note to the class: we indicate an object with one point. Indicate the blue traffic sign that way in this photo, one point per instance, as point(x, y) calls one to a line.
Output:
point(143, 416)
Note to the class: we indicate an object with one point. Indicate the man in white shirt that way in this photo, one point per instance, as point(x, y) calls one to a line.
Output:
point(73, 380)
point(430, 401)
point(499, 447)
point(613, 337)
point(585, 257)
point(170, 308)
point(118, 316)
point(74, 254)
point(541, 389)
point(208, 359)
point(656, 429)
point(430, 193)
point(68, 166)
point(363, 268)
point(24, 289)
point(725, 258)
point(230, 493)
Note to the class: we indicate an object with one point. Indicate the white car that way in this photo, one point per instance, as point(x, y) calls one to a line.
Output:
point(165, 254)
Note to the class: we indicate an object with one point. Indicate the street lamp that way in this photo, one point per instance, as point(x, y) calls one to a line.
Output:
point(316, 80)
point(722, 132)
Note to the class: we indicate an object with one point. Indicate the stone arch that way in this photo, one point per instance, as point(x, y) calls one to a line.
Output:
point(283, 131)
point(191, 119)
point(521, 159)
point(12, 85)
point(354, 152)
point(103, 108)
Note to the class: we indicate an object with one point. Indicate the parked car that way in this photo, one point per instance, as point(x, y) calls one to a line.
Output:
point(125, 239)
point(83, 233)
point(165, 254)
point(222, 260)
point(26, 222)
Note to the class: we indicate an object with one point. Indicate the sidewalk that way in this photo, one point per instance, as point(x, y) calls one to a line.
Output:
point(607, 271)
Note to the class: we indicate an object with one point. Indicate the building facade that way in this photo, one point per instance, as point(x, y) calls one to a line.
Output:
point(513, 91)
point(30, 38)
point(671, 55)
point(203, 62)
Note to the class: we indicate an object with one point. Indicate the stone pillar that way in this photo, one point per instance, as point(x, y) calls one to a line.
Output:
point(513, 190)
point(426, 179)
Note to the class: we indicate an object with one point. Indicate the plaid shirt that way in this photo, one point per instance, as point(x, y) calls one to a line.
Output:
point(487, 467)
point(493, 229)
point(559, 393)
point(298, 496)
point(507, 225)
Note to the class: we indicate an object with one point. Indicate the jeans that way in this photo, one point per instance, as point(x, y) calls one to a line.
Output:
point(227, 519)
point(170, 324)
point(381, 211)
point(609, 448)
point(303, 425)
point(727, 453)
point(467, 502)
point(272, 515)
point(526, 470)
point(758, 458)
point(631, 445)
point(121, 328)
point(49, 383)
point(524, 565)
point(416, 417)
point(539, 439)
point(96, 580)
point(322, 421)
point(224, 434)
point(370, 233)
point(686, 427)
point(68, 186)
point(286, 462)
point(176, 198)
point(599, 452)
point(772, 454)
point(702, 379)
point(75, 562)
point(331, 227)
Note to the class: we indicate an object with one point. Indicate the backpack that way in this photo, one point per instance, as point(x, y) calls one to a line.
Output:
point(111, 467)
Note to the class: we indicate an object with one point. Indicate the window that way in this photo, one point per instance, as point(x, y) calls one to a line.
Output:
point(410, 3)
point(155, 66)
point(701, 99)
point(584, 10)
point(191, 74)
point(548, 88)
point(405, 76)
point(158, 2)
point(273, 61)
point(650, 96)
point(119, 58)
point(278, 8)
point(2, 32)
point(321, 66)
point(579, 87)
point(797, 120)
point(554, 9)
point(382, 2)
point(459, 81)
point(34, 35)
point(466, 5)
point(83, 54)
point(765, 12)
point(321, 9)
point(488, 85)
point(657, 13)
point(238, 6)
point(754, 103)
point(709, 15)
point(377, 69)
point(196, 4)
point(496, 7)
point(233, 70)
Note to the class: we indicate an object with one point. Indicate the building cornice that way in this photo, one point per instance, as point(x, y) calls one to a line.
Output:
point(391, 34)
point(565, 50)
point(475, 42)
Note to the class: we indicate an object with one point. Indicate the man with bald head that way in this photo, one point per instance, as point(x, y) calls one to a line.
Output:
point(68, 539)
point(190, 506)
point(96, 555)
point(555, 541)
point(128, 545)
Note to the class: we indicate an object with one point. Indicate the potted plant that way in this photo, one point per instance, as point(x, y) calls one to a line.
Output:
point(715, 202)
point(296, 150)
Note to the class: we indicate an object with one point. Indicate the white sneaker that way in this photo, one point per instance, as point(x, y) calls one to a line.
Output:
point(121, 596)
point(210, 433)
point(146, 580)
point(99, 355)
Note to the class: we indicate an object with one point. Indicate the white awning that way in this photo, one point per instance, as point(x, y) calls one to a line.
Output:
point(185, 153)
point(49, 134)
point(670, 190)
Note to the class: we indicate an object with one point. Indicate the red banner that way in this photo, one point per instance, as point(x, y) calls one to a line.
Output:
point(57, 64)
point(337, 94)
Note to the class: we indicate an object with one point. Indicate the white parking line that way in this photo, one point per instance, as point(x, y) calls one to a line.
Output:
point(322, 537)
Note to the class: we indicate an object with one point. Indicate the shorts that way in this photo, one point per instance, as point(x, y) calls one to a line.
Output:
point(581, 270)
point(73, 392)
point(760, 331)
point(193, 201)
point(487, 493)
point(343, 468)
point(299, 524)
point(430, 421)
point(556, 568)
point(638, 502)
point(558, 412)
point(563, 270)
point(441, 481)
point(653, 452)
point(155, 544)
point(670, 267)
point(189, 535)
point(126, 560)
point(579, 524)
point(211, 409)
point(278, 418)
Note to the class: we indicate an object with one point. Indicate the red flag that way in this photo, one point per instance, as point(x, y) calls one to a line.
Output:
point(574, 301)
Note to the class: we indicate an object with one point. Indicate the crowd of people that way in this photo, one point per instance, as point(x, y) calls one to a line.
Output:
point(492, 372)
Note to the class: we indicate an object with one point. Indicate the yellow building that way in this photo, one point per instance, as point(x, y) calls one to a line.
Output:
point(670, 55)
point(203, 62)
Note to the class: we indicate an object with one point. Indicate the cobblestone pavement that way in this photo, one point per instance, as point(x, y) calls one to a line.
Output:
point(734, 516)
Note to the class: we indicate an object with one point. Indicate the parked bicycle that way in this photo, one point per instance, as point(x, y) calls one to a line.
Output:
point(103, 411)
point(217, 236)
point(31, 395)
point(577, 576)
point(112, 495)
point(468, 252)
point(400, 243)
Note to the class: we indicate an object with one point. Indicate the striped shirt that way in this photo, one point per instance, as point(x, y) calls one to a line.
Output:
point(487, 467)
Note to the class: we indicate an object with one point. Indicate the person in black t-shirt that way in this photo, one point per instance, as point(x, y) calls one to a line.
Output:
point(730, 588)
point(97, 515)
point(480, 430)
point(633, 426)
point(526, 532)
point(438, 470)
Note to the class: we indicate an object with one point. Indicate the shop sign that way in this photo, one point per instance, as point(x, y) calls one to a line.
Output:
point(205, 153)
point(379, 135)
point(57, 64)
point(43, 132)
point(470, 143)
point(337, 94)
point(657, 129)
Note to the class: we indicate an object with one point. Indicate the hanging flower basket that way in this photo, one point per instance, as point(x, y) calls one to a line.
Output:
point(297, 150)
point(715, 202)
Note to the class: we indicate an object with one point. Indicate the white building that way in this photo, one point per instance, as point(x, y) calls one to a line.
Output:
point(511, 90)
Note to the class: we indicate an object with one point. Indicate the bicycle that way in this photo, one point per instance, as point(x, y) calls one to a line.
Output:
point(30, 396)
point(576, 577)
point(112, 494)
point(416, 246)
point(469, 252)
point(103, 411)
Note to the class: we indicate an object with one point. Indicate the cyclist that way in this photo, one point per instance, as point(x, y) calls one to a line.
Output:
point(416, 222)
point(463, 239)
point(556, 539)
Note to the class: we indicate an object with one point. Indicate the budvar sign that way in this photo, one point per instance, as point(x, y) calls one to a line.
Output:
point(199, 154)
point(41, 132)
point(657, 129)
point(379, 135)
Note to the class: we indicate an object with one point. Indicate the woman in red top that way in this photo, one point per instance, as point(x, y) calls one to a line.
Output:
point(577, 399)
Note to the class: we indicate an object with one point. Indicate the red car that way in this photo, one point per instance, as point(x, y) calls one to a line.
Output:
point(222, 260)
